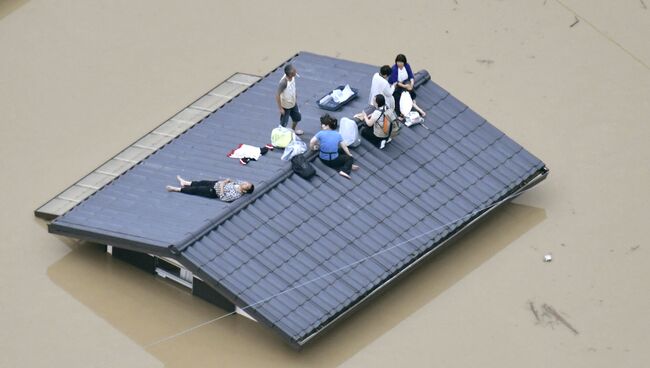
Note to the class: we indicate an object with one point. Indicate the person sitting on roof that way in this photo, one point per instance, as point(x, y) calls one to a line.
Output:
point(373, 124)
point(226, 190)
point(402, 79)
point(333, 151)
point(380, 85)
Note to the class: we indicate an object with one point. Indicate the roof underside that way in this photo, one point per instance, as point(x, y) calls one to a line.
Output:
point(305, 252)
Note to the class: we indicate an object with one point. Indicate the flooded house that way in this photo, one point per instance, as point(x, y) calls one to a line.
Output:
point(296, 255)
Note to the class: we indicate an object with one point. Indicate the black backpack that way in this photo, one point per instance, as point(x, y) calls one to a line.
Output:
point(302, 167)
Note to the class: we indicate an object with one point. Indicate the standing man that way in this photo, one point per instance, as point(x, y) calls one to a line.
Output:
point(286, 99)
point(380, 86)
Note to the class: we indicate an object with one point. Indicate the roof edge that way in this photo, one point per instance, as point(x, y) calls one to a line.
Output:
point(137, 244)
point(50, 217)
point(249, 308)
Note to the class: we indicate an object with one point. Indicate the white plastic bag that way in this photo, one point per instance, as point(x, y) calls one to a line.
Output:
point(281, 136)
point(412, 118)
point(325, 99)
point(294, 148)
point(350, 132)
point(347, 91)
point(340, 95)
point(405, 103)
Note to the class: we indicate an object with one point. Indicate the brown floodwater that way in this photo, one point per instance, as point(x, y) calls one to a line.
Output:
point(81, 80)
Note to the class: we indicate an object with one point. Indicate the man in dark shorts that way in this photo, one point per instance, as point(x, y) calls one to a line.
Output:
point(287, 99)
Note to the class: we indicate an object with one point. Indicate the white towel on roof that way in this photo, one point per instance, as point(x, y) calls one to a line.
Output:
point(245, 151)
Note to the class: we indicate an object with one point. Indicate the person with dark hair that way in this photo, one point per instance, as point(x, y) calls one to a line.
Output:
point(226, 190)
point(373, 124)
point(333, 151)
point(402, 79)
point(287, 99)
point(381, 86)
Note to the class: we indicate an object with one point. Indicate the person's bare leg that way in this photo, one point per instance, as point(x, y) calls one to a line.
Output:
point(355, 167)
point(293, 127)
point(422, 113)
point(172, 189)
point(343, 174)
point(183, 182)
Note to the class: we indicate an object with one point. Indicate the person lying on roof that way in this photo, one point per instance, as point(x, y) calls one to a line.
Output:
point(226, 190)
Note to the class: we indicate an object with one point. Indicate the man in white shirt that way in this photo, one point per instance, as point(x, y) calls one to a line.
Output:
point(380, 86)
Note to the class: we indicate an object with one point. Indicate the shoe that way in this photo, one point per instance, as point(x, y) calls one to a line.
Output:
point(382, 144)
point(269, 146)
point(389, 140)
point(244, 160)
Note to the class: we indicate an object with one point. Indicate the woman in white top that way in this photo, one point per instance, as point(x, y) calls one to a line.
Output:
point(403, 80)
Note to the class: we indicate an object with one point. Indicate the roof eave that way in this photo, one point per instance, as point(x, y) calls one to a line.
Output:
point(117, 240)
point(236, 301)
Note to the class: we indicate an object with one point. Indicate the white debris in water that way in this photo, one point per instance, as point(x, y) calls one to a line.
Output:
point(548, 257)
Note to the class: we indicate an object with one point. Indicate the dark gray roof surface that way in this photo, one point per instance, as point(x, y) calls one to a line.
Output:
point(305, 252)
point(136, 207)
point(305, 230)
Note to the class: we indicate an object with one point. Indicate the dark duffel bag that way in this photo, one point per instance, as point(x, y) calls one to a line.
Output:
point(302, 167)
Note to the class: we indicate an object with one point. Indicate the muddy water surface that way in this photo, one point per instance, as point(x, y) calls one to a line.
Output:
point(81, 80)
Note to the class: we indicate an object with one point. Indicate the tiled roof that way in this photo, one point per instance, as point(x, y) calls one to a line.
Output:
point(302, 253)
point(401, 204)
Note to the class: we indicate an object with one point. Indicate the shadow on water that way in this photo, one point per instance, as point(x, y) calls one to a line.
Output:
point(8, 6)
point(148, 308)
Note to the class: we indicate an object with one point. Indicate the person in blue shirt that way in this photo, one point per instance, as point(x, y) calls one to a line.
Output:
point(333, 151)
point(402, 79)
